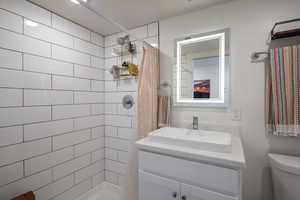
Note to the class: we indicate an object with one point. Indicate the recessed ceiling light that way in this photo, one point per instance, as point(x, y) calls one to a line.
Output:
point(30, 23)
point(78, 1)
point(75, 1)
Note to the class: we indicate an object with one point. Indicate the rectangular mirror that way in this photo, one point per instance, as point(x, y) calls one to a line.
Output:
point(202, 70)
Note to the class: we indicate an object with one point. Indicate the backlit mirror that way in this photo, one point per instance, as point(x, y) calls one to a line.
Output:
point(202, 70)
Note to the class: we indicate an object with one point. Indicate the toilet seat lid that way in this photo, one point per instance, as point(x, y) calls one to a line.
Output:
point(286, 163)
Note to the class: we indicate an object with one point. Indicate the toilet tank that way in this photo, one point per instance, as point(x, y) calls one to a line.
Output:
point(285, 176)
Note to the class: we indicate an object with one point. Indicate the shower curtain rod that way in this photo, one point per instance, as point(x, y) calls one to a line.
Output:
point(99, 14)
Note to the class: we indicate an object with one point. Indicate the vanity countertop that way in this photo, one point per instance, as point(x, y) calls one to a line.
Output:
point(234, 159)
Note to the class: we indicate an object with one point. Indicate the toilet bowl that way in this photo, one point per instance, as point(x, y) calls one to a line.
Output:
point(285, 176)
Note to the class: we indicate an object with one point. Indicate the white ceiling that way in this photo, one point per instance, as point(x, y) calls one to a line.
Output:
point(129, 13)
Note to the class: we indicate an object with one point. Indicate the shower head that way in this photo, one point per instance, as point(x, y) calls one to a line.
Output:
point(123, 40)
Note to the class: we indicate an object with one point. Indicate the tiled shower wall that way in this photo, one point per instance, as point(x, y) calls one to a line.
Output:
point(120, 124)
point(51, 104)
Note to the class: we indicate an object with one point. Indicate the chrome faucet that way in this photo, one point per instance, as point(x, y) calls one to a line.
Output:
point(195, 123)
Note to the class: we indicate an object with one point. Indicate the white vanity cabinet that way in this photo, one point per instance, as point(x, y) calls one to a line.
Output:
point(183, 164)
point(164, 177)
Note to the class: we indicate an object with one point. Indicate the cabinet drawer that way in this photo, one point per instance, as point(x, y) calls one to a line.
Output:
point(207, 176)
point(196, 193)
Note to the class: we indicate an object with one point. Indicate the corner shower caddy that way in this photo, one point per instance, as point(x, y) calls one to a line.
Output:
point(127, 69)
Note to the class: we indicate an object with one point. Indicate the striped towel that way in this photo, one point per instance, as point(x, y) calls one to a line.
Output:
point(283, 92)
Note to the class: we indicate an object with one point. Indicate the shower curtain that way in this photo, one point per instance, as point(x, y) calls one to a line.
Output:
point(148, 92)
point(283, 91)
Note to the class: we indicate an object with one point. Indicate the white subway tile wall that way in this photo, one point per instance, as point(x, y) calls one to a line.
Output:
point(52, 91)
point(120, 126)
point(57, 95)
point(15, 21)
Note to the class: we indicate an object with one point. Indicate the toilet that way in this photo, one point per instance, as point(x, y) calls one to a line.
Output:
point(285, 176)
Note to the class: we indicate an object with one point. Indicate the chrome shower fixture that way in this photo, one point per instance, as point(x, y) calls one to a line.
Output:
point(127, 44)
point(123, 40)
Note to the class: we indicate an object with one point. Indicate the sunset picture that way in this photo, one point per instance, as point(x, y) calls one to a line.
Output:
point(201, 89)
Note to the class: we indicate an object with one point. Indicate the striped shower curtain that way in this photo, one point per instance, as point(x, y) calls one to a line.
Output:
point(283, 91)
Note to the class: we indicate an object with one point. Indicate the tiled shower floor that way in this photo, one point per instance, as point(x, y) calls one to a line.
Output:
point(105, 191)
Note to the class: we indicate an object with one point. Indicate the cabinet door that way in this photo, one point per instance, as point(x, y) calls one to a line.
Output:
point(189, 192)
point(153, 187)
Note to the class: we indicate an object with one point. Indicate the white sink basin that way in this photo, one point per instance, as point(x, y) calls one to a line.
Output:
point(198, 139)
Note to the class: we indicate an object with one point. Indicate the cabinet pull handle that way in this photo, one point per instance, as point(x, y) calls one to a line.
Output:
point(183, 197)
point(174, 194)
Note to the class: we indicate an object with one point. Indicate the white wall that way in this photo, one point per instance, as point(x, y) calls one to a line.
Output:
point(250, 22)
point(120, 124)
point(51, 107)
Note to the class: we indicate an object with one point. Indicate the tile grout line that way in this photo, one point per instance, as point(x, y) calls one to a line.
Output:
point(23, 25)
point(49, 42)
point(24, 173)
point(51, 168)
point(48, 75)
point(52, 26)
point(37, 139)
point(49, 58)
point(58, 105)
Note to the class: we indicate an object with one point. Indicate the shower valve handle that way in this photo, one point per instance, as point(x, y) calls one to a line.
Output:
point(174, 194)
